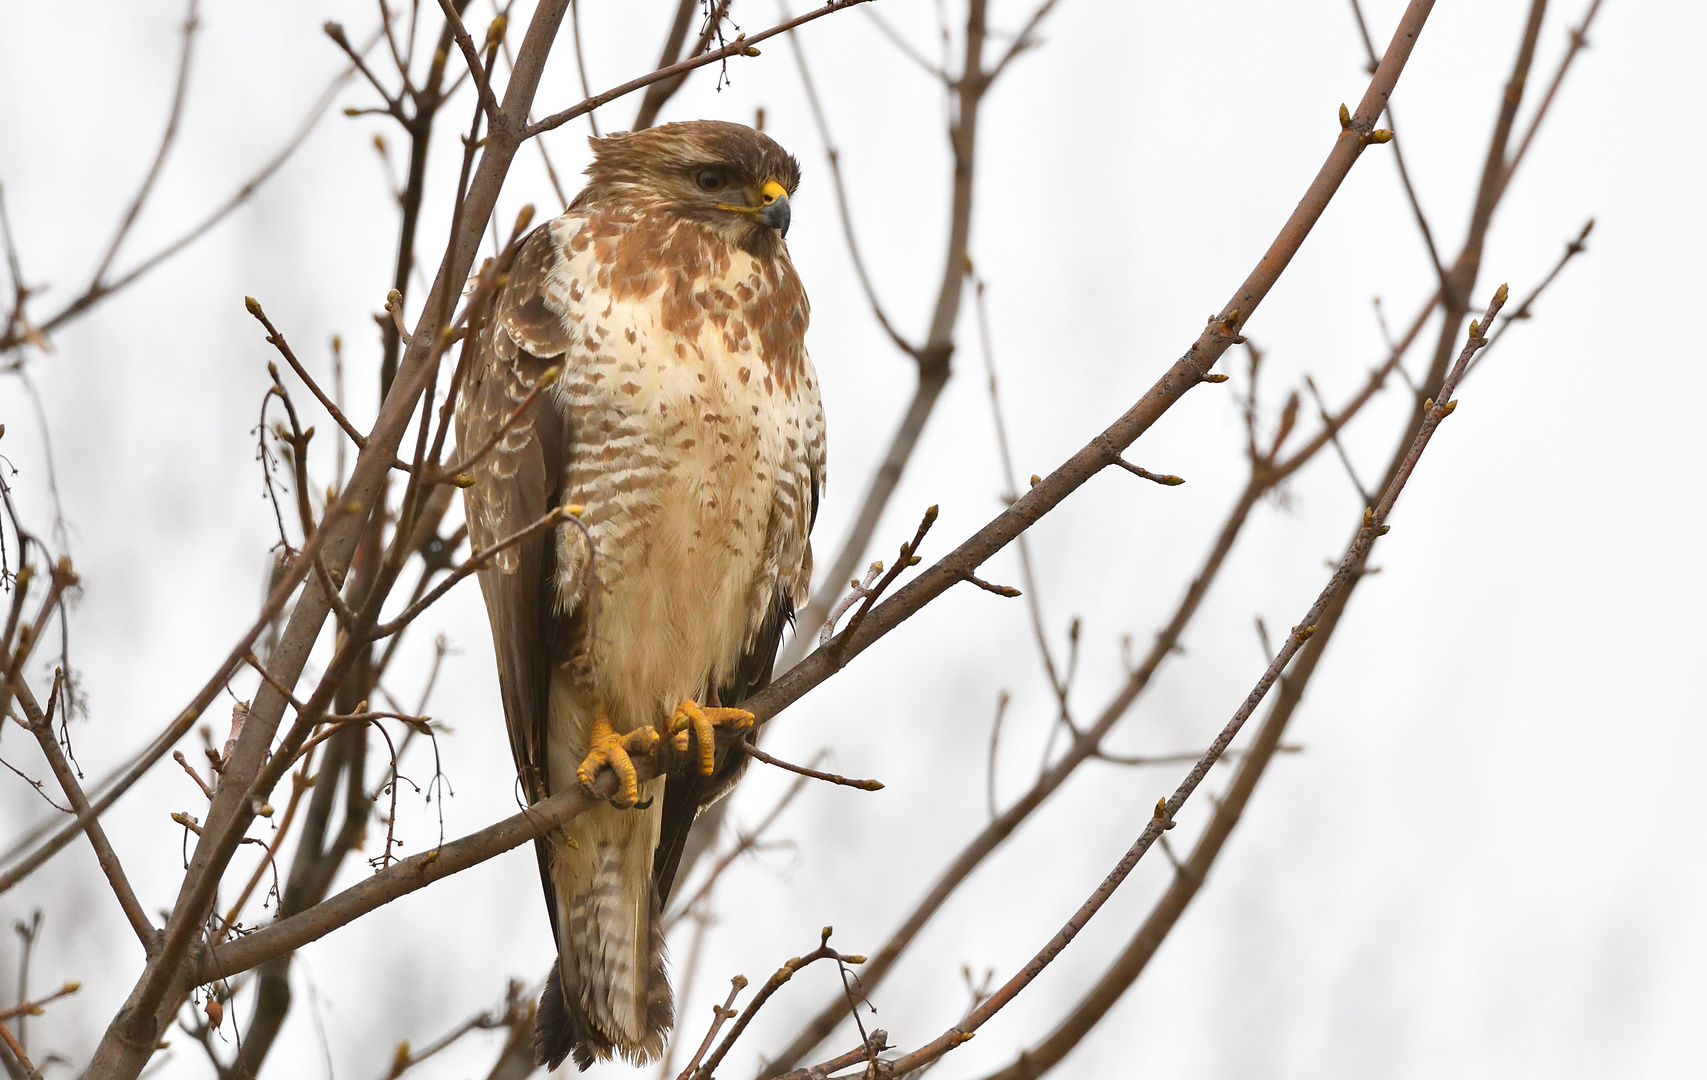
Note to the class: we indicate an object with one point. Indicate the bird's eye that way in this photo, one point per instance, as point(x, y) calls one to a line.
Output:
point(711, 180)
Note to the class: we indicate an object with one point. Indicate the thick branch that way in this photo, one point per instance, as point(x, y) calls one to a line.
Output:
point(400, 879)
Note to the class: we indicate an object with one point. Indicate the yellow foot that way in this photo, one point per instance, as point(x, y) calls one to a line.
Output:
point(702, 721)
point(608, 748)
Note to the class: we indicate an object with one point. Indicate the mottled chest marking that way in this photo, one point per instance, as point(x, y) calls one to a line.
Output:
point(755, 305)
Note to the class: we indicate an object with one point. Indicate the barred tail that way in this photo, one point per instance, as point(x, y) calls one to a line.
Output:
point(608, 995)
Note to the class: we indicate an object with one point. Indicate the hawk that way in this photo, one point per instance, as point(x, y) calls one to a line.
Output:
point(683, 426)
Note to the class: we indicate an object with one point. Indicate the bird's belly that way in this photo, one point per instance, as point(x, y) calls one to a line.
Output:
point(676, 601)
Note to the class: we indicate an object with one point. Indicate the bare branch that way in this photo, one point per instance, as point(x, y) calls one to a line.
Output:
point(1579, 41)
point(1023, 40)
point(759, 755)
point(41, 726)
point(98, 290)
point(192, 22)
point(17, 1050)
point(1051, 490)
point(834, 157)
point(745, 841)
point(399, 879)
point(906, 49)
point(277, 341)
point(586, 88)
point(741, 46)
point(131, 1036)
point(1373, 526)
point(652, 102)
point(34, 1008)
point(771, 986)
point(470, 566)
point(720, 1014)
point(1332, 430)
point(1399, 159)
point(477, 68)
point(1523, 311)
point(1164, 479)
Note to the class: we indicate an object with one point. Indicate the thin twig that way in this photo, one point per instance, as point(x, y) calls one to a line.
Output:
point(906, 49)
point(488, 100)
point(1002, 700)
point(277, 340)
point(34, 1008)
point(18, 1051)
point(858, 590)
point(908, 556)
point(1023, 40)
point(98, 290)
point(745, 842)
point(1579, 41)
point(719, 1015)
point(875, 1043)
point(41, 727)
point(1523, 311)
point(1164, 479)
point(835, 159)
point(743, 45)
point(513, 1011)
point(783, 974)
point(192, 23)
point(1399, 159)
point(454, 472)
point(759, 755)
point(586, 87)
point(469, 566)
point(1333, 435)
point(1034, 601)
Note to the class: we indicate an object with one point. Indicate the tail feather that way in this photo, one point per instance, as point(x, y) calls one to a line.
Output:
point(608, 995)
point(560, 1030)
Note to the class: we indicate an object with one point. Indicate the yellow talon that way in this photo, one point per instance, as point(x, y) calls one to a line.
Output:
point(606, 747)
point(703, 721)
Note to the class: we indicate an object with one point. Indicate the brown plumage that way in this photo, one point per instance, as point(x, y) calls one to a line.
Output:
point(686, 422)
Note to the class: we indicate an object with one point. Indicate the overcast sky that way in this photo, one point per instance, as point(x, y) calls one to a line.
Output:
point(1486, 862)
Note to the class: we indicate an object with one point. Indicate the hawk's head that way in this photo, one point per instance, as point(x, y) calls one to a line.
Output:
point(727, 176)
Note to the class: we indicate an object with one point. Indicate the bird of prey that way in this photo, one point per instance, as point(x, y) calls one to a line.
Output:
point(681, 425)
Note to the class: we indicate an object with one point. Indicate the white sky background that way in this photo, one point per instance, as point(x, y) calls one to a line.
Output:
point(1487, 860)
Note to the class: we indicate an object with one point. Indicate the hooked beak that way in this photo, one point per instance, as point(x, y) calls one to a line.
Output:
point(775, 212)
point(772, 209)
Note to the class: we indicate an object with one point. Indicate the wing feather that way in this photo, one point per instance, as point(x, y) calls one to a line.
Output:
point(516, 484)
